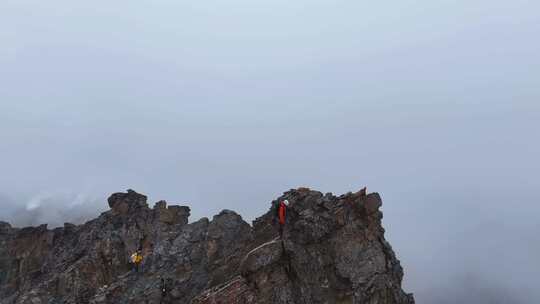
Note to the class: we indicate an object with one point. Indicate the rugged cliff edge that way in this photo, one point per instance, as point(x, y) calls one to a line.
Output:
point(333, 251)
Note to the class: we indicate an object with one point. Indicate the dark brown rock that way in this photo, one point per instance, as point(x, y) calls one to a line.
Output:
point(333, 251)
point(122, 203)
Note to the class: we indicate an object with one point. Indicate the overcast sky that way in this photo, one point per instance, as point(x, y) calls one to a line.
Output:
point(226, 104)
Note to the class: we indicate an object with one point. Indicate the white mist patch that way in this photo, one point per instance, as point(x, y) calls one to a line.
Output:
point(58, 207)
point(36, 201)
point(32, 206)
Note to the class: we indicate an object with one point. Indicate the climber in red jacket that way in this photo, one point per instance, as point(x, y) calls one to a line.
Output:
point(282, 215)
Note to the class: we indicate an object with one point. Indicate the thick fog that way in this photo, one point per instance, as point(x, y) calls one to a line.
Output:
point(226, 104)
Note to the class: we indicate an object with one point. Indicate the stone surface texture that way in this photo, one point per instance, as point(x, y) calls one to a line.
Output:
point(332, 251)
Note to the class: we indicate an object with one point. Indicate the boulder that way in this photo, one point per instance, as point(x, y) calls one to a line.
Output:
point(124, 203)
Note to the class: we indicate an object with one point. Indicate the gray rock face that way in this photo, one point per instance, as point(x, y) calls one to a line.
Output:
point(122, 203)
point(333, 251)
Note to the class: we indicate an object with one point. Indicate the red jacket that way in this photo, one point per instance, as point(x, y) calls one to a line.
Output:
point(282, 213)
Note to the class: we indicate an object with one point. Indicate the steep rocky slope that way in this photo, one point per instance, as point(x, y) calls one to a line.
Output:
point(333, 251)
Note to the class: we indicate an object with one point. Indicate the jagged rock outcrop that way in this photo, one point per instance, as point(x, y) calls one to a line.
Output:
point(333, 251)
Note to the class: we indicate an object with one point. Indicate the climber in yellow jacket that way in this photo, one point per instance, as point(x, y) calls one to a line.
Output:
point(136, 260)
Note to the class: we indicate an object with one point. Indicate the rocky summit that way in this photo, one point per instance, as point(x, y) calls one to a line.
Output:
point(332, 251)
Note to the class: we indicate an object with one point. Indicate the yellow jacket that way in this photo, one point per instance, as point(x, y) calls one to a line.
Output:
point(136, 258)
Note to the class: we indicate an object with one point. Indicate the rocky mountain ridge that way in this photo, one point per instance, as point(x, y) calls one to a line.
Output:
point(332, 251)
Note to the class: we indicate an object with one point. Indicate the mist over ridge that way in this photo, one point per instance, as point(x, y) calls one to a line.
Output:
point(225, 105)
